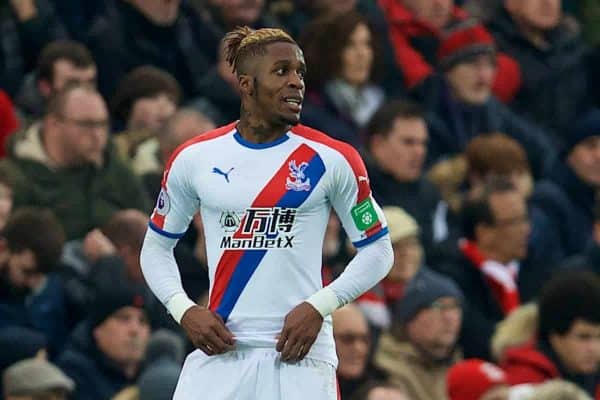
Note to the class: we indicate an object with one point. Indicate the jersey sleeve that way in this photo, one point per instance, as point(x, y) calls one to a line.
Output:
point(177, 202)
point(351, 198)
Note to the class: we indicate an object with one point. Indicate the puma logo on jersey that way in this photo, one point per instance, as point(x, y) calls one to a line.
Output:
point(362, 178)
point(218, 171)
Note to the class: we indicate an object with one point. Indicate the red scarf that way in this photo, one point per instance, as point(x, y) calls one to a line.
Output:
point(501, 278)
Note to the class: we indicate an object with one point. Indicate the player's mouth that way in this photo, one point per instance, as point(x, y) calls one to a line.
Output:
point(294, 103)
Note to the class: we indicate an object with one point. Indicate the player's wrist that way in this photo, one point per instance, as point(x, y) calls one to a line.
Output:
point(324, 301)
point(178, 305)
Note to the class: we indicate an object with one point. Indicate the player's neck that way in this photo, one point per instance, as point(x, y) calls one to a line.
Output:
point(256, 130)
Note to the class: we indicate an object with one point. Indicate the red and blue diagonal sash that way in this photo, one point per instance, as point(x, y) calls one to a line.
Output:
point(236, 267)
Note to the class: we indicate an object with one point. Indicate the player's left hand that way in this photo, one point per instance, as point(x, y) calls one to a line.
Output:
point(300, 329)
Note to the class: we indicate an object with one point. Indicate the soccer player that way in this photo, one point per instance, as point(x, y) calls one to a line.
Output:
point(264, 186)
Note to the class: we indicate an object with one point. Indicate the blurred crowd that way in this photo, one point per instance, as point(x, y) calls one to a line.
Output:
point(479, 123)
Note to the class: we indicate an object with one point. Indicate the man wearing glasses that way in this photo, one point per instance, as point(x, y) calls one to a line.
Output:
point(67, 163)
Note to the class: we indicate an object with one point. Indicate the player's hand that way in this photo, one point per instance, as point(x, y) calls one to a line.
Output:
point(300, 330)
point(207, 331)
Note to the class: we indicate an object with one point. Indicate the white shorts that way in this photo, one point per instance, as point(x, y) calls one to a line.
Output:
point(254, 374)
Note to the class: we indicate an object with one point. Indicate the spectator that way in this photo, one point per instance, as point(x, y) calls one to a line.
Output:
point(221, 97)
point(568, 336)
point(151, 155)
point(342, 93)
point(397, 148)
point(145, 99)
point(416, 28)
point(494, 156)
point(8, 121)
point(35, 379)
point(6, 195)
point(379, 391)
point(421, 346)
point(464, 106)
point(59, 63)
point(352, 342)
point(476, 379)
point(590, 257)
point(552, 58)
point(67, 163)
point(32, 294)
point(131, 33)
point(569, 193)
point(106, 352)
point(27, 25)
point(496, 228)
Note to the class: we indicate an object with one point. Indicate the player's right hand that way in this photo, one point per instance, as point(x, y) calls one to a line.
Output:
point(207, 331)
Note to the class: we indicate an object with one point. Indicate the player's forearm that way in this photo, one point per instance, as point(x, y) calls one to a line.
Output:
point(162, 275)
point(370, 265)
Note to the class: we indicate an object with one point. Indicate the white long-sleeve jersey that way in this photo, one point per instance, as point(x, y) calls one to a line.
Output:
point(265, 209)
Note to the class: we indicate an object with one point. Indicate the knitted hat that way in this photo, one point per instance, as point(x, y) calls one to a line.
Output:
point(34, 376)
point(143, 82)
point(425, 288)
point(464, 42)
point(471, 379)
point(108, 301)
point(586, 126)
point(400, 224)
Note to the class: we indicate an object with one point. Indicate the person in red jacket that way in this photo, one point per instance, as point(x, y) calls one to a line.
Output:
point(416, 28)
point(568, 342)
point(8, 121)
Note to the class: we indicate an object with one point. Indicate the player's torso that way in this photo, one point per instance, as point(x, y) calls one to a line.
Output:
point(269, 207)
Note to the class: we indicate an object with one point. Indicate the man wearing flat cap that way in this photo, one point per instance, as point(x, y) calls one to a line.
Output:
point(106, 351)
point(33, 379)
point(421, 344)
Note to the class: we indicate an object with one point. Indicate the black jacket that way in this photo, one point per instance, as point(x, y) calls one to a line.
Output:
point(122, 39)
point(554, 80)
point(96, 376)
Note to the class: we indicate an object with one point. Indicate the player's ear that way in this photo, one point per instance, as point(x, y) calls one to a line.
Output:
point(246, 83)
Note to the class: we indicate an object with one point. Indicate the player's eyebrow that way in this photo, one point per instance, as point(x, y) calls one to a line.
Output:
point(287, 63)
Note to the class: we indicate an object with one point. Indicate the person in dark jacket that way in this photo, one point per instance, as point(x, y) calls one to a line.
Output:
point(342, 93)
point(31, 293)
point(589, 258)
point(496, 229)
point(26, 26)
point(463, 105)
point(396, 151)
point(497, 155)
point(569, 194)
point(552, 57)
point(568, 336)
point(221, 97)
point(68, 164)
point(106, 351)
point(416, 28)
point(137, 32)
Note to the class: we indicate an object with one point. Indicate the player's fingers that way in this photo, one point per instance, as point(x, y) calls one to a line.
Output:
point(291, 349)
point(283, 337)
point(205, 348)
point(304, 349)
point(218, 343)
point(221, 330)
